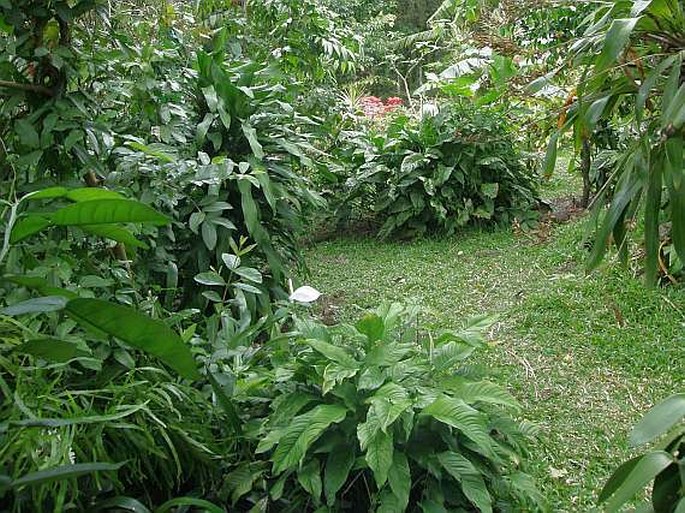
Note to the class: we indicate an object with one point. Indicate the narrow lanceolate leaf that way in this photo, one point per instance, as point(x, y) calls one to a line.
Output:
point(648, 84)
point(60, 473)
point(107, 211)
point(551, 155)
point(379, 455)
point(49, 193)
point(652, 210)
point(36, 305)
point(459, 415)
point(302, 431)
point(632, 477)
point(137, 330)
point(338, 465)
point(615, 42)
point(309, 477)
point(251, 135)
point(472, 484)
point(659, 420)
point(199, 504)
point(27, 226)
point(675, 176)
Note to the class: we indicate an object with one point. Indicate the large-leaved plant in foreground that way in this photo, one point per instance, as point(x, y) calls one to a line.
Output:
point(381, 417)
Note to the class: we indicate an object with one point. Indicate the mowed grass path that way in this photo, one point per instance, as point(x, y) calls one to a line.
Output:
point(584, 354)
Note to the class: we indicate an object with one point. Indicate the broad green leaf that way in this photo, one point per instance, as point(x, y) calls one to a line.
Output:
point(251, 135)
point(209, 235)
point(399, 478)
point(49, 193)
point(334, 353)
point(115, 233)
point(210, 96)
point(247, 288)
point(632, 477)
point(459, 415)
point(615, 42)
point(309, 477)
point(107, 211)
point(302, 431)
point(210, 278)
point(240, 481)
point(472, 483)
point(372, 326)
point(51, 349)
point(27, 226)
point(137, 330)
point(203, 127)
point(480, 392)
point(231, 261)
point(27, 134)
point(379, 456)
point(203, 505)
point(92, 194)
point(680, 508)
point(338, 465)
point(659, 420)
point(36, 305)
point(249, 274)
point(63, 472)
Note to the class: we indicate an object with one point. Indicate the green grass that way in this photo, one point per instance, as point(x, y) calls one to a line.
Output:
point(586, 355)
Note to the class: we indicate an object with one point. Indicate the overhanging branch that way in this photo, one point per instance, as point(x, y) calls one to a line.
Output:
point(26, 87)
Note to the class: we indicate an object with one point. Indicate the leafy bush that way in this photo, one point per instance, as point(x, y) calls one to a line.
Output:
point(381, 417)
point(663, 464)
point(442, 172)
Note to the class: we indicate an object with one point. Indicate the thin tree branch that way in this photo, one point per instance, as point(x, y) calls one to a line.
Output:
point(26, 87)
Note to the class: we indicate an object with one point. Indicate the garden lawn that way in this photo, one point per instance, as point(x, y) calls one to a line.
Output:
point(586, 355)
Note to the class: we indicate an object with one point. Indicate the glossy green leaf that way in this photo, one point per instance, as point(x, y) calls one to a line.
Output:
point(49, 193)
point(209, 235)
point(249, 274)
point(399, 479)
point(659, 420)
point(92, 194)
point(40, 285)
point(372, 326)
point(137, 330)
point(36, 305)
point(28, 225)
point(551, 155)
point(107, 211)
point(210, 278)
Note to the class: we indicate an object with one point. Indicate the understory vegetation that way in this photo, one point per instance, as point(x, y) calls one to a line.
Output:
point(316, 256)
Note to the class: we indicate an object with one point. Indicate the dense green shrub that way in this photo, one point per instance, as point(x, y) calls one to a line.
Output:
point(379, 416)
point(442, 172)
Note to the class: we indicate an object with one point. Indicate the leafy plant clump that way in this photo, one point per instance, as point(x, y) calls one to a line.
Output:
point(455, 167)
point(381, 417)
